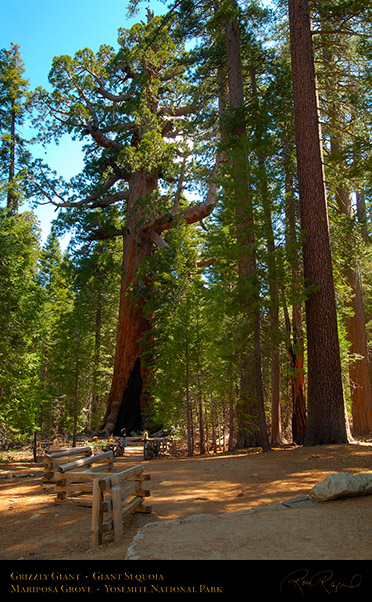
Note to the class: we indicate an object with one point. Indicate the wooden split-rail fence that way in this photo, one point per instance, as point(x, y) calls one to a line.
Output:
point(90, 480)
point(117, 495)
point(63, 455)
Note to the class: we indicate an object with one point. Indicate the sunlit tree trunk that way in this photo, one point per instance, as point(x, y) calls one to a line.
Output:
point(359, 375)
point(127, 382)
point(326, 411)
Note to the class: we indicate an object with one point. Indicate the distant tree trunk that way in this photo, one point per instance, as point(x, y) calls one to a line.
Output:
point(360, 382)
point(76, 403)
point(12, 203)
point(276, 427)
point(231, 409)
point(295, 346)
point(201, 424)
point(359, 375)
point(213, 421)
point(97, 360)
point(326, 411)
point(206, 431)
point(190, 444)
point(362, 214)
point(252, 429)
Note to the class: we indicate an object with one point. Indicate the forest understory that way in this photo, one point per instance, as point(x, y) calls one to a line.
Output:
point(33, 527)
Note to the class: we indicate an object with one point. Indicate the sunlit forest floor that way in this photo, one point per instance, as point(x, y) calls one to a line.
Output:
point(33, 527)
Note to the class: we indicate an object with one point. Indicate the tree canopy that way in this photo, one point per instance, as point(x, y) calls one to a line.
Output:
point(218, 272)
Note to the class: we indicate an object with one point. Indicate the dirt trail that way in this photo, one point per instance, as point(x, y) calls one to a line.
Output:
point(33, 527)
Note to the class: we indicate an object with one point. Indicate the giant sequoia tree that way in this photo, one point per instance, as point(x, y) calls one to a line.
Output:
point(130, 105)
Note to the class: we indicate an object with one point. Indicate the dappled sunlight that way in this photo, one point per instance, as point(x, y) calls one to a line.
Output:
point(34, 526)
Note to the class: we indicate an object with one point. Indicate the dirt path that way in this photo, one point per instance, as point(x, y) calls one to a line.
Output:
point(33, 527)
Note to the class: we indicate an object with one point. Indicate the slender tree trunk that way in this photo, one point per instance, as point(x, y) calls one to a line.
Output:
point(252, 429)
point(360, 382)
point(231, 408)
point(295, 346)
point(190, 445)
point(213, 421)
point(362, 214)
point(76, 403)
point(276, 429)
point(206, 431)
point(359, 375)
point(97, 360)
point(201, 423)
point(326, 411)
point(12, 204)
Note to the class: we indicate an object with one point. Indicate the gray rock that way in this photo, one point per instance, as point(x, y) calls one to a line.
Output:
point(342, 485)
point(298, 502)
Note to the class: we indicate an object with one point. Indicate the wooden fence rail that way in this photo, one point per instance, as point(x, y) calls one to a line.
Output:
point(74, 480)
point(111, 497)
point(158, 446)
point(53, 457)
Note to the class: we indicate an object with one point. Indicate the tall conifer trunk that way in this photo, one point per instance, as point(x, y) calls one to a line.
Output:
point(359, 375)
point(296, 335)
point(252, 429)
point(326, 411)
point(360, 383)
point(129, 374)
point(12, 204)
point(276, 424)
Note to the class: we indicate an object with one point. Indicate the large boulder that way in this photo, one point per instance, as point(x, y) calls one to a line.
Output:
point(342, 485)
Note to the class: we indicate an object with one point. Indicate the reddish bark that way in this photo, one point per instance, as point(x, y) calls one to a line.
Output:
point(295, 345)
point(132, 323)
point(326, 412)
point(360, 382)
point(359, 374)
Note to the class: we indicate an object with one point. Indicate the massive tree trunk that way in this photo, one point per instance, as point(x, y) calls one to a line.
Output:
point(326, 411)
point(252, 429)
point(127, 382)
point(127, 400)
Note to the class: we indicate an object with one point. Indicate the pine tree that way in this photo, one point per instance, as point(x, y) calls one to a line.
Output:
point(326, 418)
point(19, 320)
point(13, 152)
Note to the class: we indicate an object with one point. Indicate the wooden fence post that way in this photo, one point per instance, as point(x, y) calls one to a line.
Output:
point(97, 513)
point(116, 508)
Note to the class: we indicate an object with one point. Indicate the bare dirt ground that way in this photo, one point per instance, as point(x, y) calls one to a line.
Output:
point(33, 527)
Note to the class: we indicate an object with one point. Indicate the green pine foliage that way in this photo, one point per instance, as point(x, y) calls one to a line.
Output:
point(20, 319)
point(14, 154)
point(59, 311)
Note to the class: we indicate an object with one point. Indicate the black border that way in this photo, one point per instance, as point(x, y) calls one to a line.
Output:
point(185, 579)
